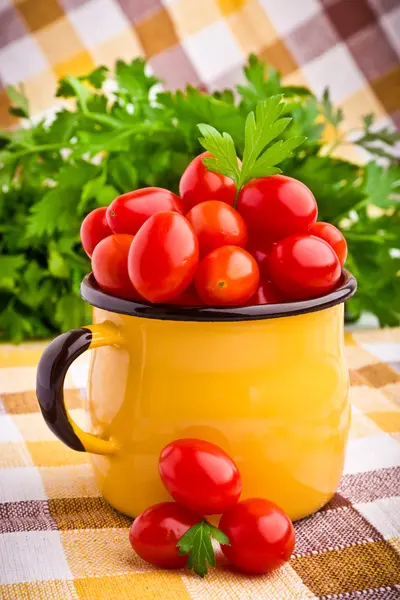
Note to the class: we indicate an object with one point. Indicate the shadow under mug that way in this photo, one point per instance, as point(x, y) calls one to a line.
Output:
point(269, 384)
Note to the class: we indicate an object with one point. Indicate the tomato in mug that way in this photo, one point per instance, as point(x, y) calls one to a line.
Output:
point(188, 298)
point(303, 267)
point(277, 206)
point(94, 228)
point(261, 536)
point(265, 294)
point(200, 476)
point(198, 184)
point(217, 224)
point(333, 237)
point(127, 213)
point(228, 276)
point(261, 250)
point(163, 257)
point(155, 533)
point(110, 266)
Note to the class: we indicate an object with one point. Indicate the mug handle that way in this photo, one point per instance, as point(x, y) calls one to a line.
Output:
point(52, 369)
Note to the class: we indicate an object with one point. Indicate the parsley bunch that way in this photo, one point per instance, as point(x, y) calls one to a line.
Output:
point(52, 173)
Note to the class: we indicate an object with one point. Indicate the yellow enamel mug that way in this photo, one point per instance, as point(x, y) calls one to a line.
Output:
point(269, 384)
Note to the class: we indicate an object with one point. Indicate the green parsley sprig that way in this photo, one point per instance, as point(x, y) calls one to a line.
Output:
point(105, 144)
point(197, 544)
point(258, 160)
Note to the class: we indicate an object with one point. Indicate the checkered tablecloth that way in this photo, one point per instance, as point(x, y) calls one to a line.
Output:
point(60, 540)
point(352, 46)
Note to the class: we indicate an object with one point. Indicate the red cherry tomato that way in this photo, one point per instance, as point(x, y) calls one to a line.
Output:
point(110, 266)
point(200, 476)
point(155, 533)
point(217, 224)
point(265, 294)
point(94, 228)
point(163, 257)
point(261, 535)
point(188, 298)
point(228, 276)
point(304, 266)
point(333, 236)
point(127, 213)
point(277, 206)
point(261, 251)
point(197, 184)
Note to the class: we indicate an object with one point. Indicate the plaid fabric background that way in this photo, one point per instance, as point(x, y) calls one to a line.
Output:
point(351, 45)
point(60, 540)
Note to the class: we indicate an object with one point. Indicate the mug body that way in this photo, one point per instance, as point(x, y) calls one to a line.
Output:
point(273, 393)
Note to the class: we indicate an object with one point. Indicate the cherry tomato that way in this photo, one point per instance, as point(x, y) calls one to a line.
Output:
point(200, 476)
point(261, 250)
point(333, 236)
point(261, 535)
point(198, 184)
point(163, 257)
point(277, 206)
point(188, 298)
point(155, 533)
point(228, 276)
point(217, 224)
point(127, 213)
point(304, 266)
point(110, 266)
point(265, 294)
point(94, 228)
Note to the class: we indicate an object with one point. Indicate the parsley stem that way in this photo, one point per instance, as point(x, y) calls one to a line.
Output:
point(42, 148)
point(236, 197)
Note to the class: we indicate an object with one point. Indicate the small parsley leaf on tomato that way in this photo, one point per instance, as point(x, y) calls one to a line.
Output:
point(261, 128)
point(197, 544)
point(223, 149)
point(219, 535)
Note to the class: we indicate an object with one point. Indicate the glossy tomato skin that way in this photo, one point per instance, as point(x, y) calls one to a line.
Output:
point(110, 266)
point(197, 184)
point(333, 237)
point(155, 533)
point(217, 224)
point(200, 476)
point(261, 535)
point(228, 276)
point(188, 298)
point(163, 257)
point(266, 294)
point(127, 213)
point(261, 250)
point(277, 206)
point(303, 267)
point(94, 228)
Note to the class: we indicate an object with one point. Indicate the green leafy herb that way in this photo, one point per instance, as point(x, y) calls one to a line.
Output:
point(53, 173)
point(332, 115)
point(261, 128)
point(197, 544)
point(378, 142)
point(382, 186)
point(20, 107)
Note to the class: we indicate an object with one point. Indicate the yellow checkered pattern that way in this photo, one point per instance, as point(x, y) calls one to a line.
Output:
point(350, 46)
point(60, 540)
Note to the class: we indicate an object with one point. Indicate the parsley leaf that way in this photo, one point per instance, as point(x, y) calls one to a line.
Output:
point(20, 104)
point(196, 543)
point(224, 151)
point(382, 185)
point(378, 142)
point(332, 115)
point(260, 129)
